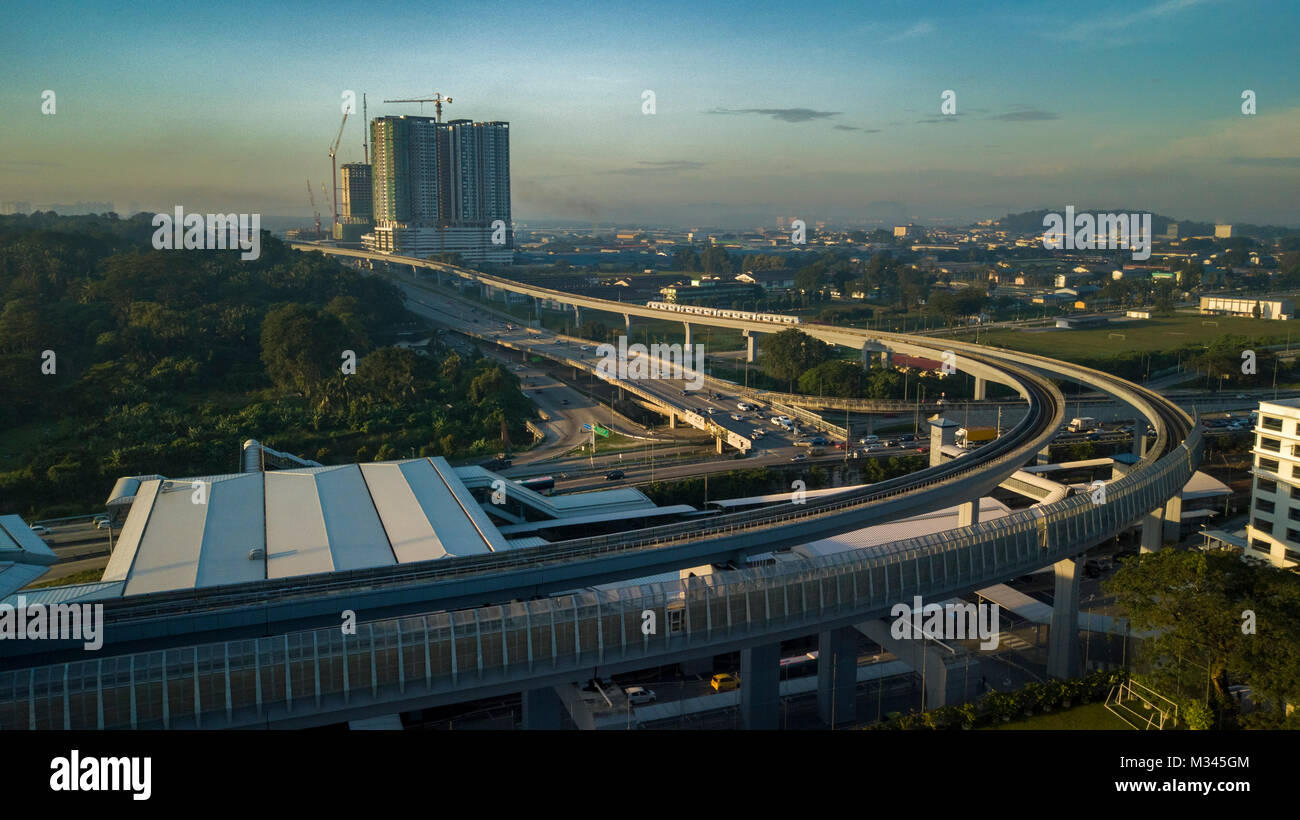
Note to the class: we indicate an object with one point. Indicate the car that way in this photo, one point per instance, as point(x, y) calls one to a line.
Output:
point(908, 437)
point(639, 695)
point(736, 417)
point(868, 439)
point(613, 475)
point(724, 682)
point(102, 524)
point(1242, 396)
point(744, 407)
point(819, 441)
point(800, 457)
point(40, 530)
point(757, 433)
point(585, 348)
point(892, 442)
point(803, 442)
point(710, 410)
point(1094, 437)
point(564, 401)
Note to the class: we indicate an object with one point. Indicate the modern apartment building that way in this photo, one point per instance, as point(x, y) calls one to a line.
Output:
point(440, 187)
point(1274, 530)
point(357, 194)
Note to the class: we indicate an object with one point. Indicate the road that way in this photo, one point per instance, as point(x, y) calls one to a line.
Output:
point(570, 410)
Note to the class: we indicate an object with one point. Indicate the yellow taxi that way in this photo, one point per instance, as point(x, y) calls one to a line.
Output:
point(724, 682)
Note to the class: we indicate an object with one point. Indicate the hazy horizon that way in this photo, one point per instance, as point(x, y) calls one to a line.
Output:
point(827, 113)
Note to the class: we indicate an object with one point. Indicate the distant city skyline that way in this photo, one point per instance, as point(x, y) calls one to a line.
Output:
point(828, 112)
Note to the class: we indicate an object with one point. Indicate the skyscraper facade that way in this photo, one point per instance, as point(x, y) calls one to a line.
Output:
point(441, 188)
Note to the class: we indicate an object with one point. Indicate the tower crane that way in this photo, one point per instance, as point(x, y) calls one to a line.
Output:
point(334, 171)
point(437, 99)
point(312, 197)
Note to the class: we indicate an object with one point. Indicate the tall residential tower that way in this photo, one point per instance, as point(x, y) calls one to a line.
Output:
point(440, 187)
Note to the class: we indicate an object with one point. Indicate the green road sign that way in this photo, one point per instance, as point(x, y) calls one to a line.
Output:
point(601, 431)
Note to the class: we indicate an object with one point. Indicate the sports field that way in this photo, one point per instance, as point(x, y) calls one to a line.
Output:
point(1139, 335)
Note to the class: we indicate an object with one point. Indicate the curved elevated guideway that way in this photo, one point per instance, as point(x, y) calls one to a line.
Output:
point(318, 676)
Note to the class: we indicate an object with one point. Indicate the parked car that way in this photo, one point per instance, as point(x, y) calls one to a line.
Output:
point(613, 475)
point(639, 695)
point(724, 682)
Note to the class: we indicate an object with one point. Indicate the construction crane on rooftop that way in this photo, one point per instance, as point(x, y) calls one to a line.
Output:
point(334, 170)
point(437, 99)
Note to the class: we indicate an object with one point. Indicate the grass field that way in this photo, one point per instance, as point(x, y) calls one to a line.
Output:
point(1140, 335)
point(1088, 716)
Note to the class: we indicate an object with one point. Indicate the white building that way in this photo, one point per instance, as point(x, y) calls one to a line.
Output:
point(1274, 530)
point(1228, 306)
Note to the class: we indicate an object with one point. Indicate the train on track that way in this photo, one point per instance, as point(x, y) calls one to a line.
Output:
point(723, 313)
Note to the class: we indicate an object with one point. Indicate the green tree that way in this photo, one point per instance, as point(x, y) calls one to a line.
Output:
point(302, 345)
point(788, 354)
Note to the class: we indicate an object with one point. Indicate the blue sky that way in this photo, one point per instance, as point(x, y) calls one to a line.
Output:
point(825, 111)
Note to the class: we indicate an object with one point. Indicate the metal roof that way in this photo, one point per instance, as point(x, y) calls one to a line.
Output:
point(252, 526)
point(881, 534)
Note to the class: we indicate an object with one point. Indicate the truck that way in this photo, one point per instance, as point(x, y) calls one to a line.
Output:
point(968, 437)
point(1082, 424)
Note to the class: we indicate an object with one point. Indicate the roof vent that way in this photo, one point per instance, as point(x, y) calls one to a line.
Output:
point(255, 553)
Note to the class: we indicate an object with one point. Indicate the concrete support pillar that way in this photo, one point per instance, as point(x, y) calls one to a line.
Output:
point(542, 709)
point(577, 317)
point(718, 441)
point(925, 658)
point(688, 335)
point(483, 292)
point(981, 388)
point(968, 514)
point(751, 346)
point(1139, 437)
point(837, 676)
point(672, 421)
point(884, 359)
point(942, 431)
point(627, 325)
point(1174, 518)
point(1045, 454)
point(1153, 530)
point(1063, 640)
point(760, 687)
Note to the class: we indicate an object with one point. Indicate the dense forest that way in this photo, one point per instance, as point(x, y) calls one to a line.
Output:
point(117, 359)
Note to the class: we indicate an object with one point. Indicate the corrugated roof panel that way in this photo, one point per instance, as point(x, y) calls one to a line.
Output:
point(168, 553)
point(128, 540)
point(453, 531)
point(357, 539)
point(16, 536)
point(236, 524)
point(14, 577)
point(297, 542)
point(397, 490)
point(484, 530)
point(97, 591)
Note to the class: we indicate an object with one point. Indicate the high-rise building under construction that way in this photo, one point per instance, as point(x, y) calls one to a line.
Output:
point(441, 188)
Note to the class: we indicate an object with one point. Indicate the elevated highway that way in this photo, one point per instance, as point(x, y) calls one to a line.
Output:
point(442, 656)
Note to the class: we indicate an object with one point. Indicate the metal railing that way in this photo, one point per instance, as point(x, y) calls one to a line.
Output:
point(298, 675)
